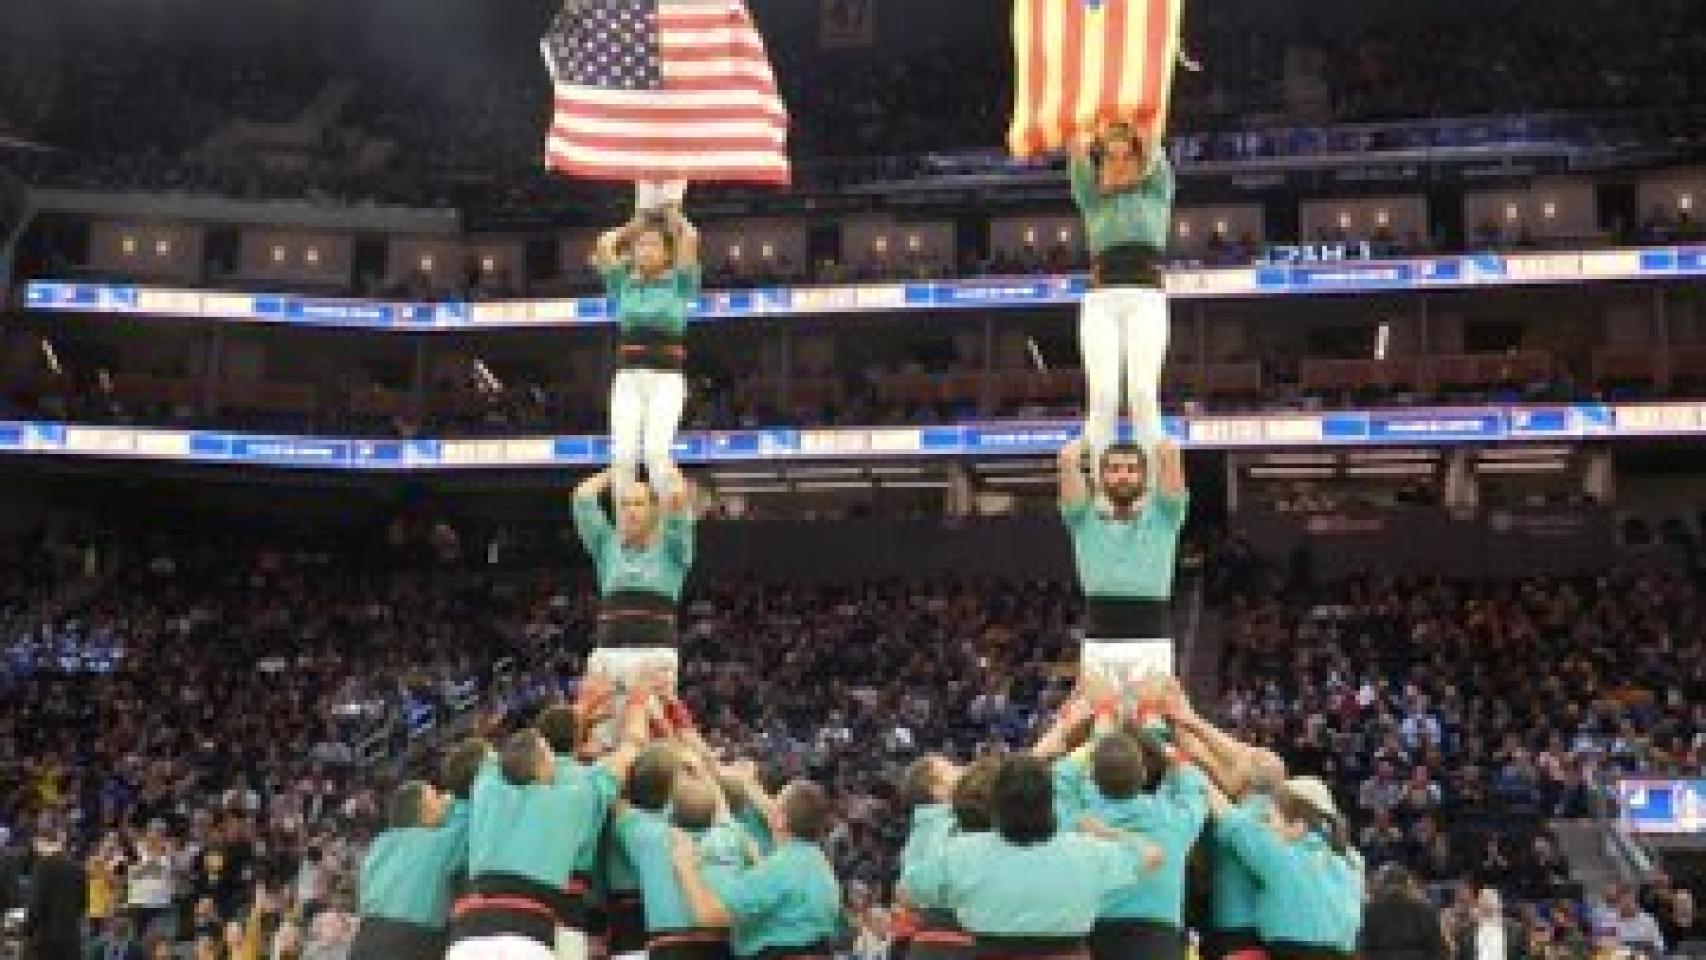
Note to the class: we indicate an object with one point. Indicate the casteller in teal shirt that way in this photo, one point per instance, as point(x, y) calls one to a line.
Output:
point(409, 872)
point(790, 899)
point(1127, 559)
point(1302, 890)
point(544, 833)
point(656, 305)
point(1172, 818)
point(1139, 216)
point(660, 567)
point(1000, 889)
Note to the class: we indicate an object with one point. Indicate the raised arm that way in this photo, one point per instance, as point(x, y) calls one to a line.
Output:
point(1074, 488)
point(1081, 170)
point(594, 486)
point(590, 520)
point(1170, 468)
point(702, 901)
point(607, 253)
point(685, 235)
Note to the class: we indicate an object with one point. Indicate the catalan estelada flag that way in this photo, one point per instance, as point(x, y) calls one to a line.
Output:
point(1083, 62)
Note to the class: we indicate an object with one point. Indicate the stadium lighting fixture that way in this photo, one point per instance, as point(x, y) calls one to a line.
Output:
point(163, 247)
point(1512, 213)
point(51, 356)
point(1393, 470)
point(1523, 466)
point(1383, 218)
point(312, 255)
point(881, 244)
point(105, 379)
point(1220, 228)
point(1065, 234)
point(1344, 220)
point(1550, 210)
point(769, 250)
point(1030, 236)
point(759, 488)
point(1021, 480)
point(1382, 340)
point(914, 242)
point(1525, 453)
point(1185, 229)
point(1291, 473)
point(1685, 203)
point(128, 245)
point(734, 251)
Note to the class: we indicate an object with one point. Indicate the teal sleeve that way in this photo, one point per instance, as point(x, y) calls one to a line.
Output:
point(603, 783)
point(592, 525)
point(1074, 514)
point(1119, 863)
point(1159, 186)
point(927, 881)
point(1083, 175)
point(1252, 842)
point(687, 281)
point(454, 834)
point(615, 280)
point(1171, 508)
point(750, 894)
point(678, 535)
point(1071, 791)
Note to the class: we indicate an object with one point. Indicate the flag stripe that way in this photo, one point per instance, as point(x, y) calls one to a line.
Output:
point(710, 111)
point(1078, 62)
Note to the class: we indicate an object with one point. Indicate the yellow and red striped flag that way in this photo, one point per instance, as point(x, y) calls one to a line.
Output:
point(1083, 62)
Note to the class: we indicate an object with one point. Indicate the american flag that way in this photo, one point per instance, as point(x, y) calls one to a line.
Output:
point(1081, 62)
point(664, 90)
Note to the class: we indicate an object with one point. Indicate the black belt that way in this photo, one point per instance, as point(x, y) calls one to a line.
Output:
point(1127, 265)
point(1127, 618)
point(1283, 950)
point(637, 618)
point(987, 946)
point(808, 951)
point(381, 938)
point(643, 348)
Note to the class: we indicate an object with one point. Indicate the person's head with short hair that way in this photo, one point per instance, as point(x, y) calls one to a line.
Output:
point(1117, 766)
point(415, 804)
point(1022, 798)
point(1122, 475)
point(694, 803)
point(526, 758)
point(973, 798)
point(461, 764)
point(1267, 770)
point(929, 779)
point(1393, 881)
point(805, 810)
point(651, 778)
point(636, 512)
point(558, 725)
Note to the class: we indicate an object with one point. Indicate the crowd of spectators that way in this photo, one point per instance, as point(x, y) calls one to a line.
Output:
point(1456, 718)
point(213, 722)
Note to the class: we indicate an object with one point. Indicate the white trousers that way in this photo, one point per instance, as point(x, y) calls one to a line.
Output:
point(645, 412)
point(1125, 662)
point(1122, 329)
point(499, 948)
point(652, 195)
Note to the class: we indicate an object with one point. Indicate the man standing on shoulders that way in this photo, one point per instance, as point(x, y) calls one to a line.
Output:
point(1125, 541)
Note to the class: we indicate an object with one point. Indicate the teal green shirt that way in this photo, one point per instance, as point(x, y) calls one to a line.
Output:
point(788, 899)
point(1301, 887)
point(409, 872)
point(1172, 818)
point(541, 832)
point(932, 825)
point(1127, 559)
point(659, 305)
point(1235, 887)
point(644, 837)
point(1349, 877)
point(660, 567)
point(1049, 889)
point(751, 823)
point(1141, 215)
